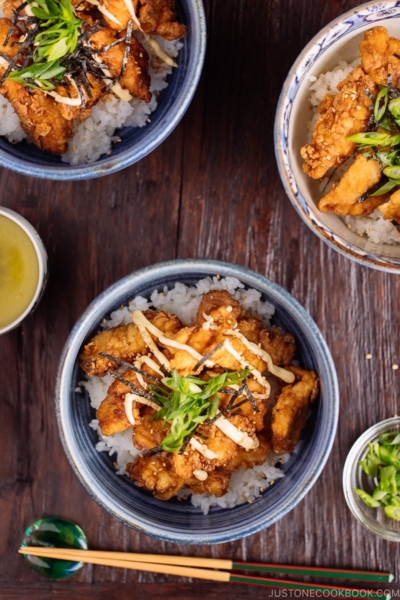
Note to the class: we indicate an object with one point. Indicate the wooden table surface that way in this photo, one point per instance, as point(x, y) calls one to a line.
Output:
point(212, 190)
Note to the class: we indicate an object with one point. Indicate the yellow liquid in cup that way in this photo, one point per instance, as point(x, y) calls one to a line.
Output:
point(19, 271)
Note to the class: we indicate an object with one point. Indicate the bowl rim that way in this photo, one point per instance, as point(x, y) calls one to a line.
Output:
point(333, 240)
point(359, 445)
point(108, 165)
point(42, 259)
point(95, 312)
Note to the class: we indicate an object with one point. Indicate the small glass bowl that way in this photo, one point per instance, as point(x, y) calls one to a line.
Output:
point(373, 519)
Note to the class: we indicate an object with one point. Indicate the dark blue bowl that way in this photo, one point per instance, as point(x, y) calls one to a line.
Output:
point(136, 142)
point(179, 521)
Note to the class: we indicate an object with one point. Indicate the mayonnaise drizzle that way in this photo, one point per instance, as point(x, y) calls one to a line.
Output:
point(128, 404)
point(239, 437)
point(155, 45)
point(105, 12)
point(255, 372)
point(200, 474)
point(202, 448)
point(150, 363)
point(141, 400)
point(287, 376)
point(140, 320)
point(162, 359)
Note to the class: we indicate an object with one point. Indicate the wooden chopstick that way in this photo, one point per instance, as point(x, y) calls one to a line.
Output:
point(217, 563)
point(119, 559)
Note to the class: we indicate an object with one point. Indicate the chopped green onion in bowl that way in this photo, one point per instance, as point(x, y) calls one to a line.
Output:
point(371, 479)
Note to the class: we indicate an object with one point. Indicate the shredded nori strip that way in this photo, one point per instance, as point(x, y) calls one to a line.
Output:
point(207, 356)
point(396, 224)
point(250, 397)
point(373, 189)
point(123, 363)
point(135, 389)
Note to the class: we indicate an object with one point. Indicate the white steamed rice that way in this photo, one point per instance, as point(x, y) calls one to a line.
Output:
point(375, 227)
point(245, 485)
point(95, 136)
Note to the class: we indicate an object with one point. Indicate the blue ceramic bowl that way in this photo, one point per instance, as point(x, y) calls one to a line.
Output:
point(338, 41)
point(175, 521)
point(136, 142)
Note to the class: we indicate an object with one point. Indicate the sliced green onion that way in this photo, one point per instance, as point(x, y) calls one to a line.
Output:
point(392, 172)
point(380, 105)
point(393, 512)
point(367, 498)
point(394, 108)
point(371, 138)
point(386, 188)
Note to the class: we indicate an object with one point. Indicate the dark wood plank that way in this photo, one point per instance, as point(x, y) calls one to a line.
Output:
point(211, 190)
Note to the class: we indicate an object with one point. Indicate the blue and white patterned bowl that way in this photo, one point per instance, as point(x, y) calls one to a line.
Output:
point(136, 142)
point(338, 41)
point(175, 521)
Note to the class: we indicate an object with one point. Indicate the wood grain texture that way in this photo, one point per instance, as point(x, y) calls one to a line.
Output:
point(211, 190)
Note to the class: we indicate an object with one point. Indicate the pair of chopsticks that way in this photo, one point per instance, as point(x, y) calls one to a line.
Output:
point(203, 568)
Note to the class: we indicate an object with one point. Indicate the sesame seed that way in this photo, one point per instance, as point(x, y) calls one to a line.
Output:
point(368, 356)
point(395, 367)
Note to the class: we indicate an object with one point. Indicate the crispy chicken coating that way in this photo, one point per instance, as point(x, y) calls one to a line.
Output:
point(290, 411)
point(38, 113)
point(380, 56)
point(155, 17)
point(156, 473)
point(361, 176)
point(124, 342)
point(347, 114)
point(148, 434)
point(112, 416)
point(391, 209)
point(280, 346)
point(216, 484)
point(247, 459)
point(136, 78)
point(40, 117)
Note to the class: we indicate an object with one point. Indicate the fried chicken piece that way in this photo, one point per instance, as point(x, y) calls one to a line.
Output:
point(362, 175)
point(391, 209)
point(159, 17)
point(256, 417)
point(348, 114)
point(123, 342)
point(374, 54)
point(216, 484)
point(280, 346)
point(136, 78)
point(380, 56)
point(147, 433)
point(75, 112)
point(9, 6)
point(215, 299)
point(40, 117)
point(290, 411)
point(112, 416)
point(247, 459)
point(111, 412)
point(155, 17)
point(156, 474)
point(10, 49)
point(222, 446)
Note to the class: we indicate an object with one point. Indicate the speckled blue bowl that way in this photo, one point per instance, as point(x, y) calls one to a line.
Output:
point(136, 142)
point(339, 40)
point(177, 521)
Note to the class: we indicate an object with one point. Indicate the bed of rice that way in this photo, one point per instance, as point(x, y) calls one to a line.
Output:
point(95, 136)
point(245, 485)
point(375, 227)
